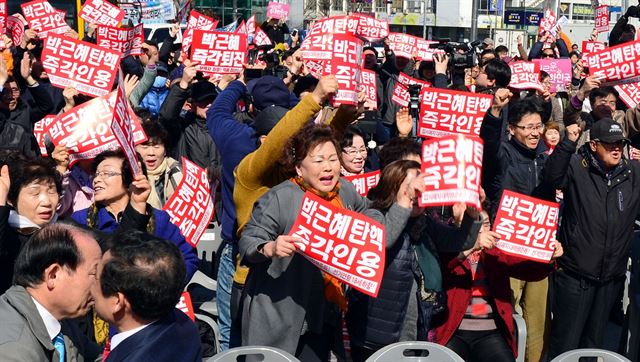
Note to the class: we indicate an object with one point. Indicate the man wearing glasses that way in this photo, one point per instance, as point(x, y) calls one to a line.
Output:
point(601, 202)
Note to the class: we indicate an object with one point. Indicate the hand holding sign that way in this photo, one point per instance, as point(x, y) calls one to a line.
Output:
point(591, 83)
point(573, 132)
point(327, 86)
point(558, 251)
point(284, 246)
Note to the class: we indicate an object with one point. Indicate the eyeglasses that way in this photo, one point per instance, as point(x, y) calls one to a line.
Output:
point(352, 151)
point(611, 145)
point(106, 174)
point(11, 91)
point(545, 55)
point(530, 127)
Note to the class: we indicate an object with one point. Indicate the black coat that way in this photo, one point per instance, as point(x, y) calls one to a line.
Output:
point(16, 137)
point(599, 211)
point(11, 243)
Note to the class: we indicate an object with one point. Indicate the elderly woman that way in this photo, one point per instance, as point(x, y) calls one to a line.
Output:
point(354, 152)
point(114, 202)
point(290, 304)
point(411, 285)
point(164, 173)
point(28, 201)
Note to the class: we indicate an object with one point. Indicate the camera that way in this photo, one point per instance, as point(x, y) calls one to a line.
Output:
point(461, 55)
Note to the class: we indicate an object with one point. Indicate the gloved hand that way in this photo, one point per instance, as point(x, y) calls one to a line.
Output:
point(632, 12)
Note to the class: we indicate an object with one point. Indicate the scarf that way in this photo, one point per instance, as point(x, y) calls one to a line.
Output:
point(23, 225)
point(344, 172)
point(334, 290)
point(160, 188)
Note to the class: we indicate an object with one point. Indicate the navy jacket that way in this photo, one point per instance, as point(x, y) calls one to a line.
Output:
point(164, 229)
point(172, 338)
point(234, 140)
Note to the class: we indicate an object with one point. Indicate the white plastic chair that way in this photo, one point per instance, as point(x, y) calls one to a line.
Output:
point(577, 354)
point(269, 354)
point(396, 353)
point(521, 336)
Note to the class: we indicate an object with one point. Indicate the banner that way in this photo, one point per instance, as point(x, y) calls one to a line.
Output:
point(592, 46)
point(251, 26)
point(446, 112)
point(121, 125)
point(525, 75)
point(547, 22)
point(527, 226)
point(186, 306)
point(86, 129)
point(183, 10)
point(616, 65)
point(40, 130)
point(602, 19)
point(196, 21)
point(318, 45)
point(127, 41)
point(101, 12)
point(345, 65)
point(403, 45)
point(242, 28)
point(261, 38)
point(371, 29)
point(84, 66)
point(277, 10)
point(191, 205)
point(629, 93)
point(365, 181)
point(560, 72)
point(43, 18)
point(452, 168)
point(3, 16)
point(369, 86)
point(148, 11)
point(15, 26)
point(341, 242)
point(401, 92)
point(219, 52)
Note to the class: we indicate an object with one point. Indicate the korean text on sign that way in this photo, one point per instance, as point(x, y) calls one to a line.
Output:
point(364, 182)
point(196, 21)
point(318, 45)
point(101, 12)
point(592, 46)
point(403, 45)
point(127, 41)
point(86, 129)
point(3, 16)
point(343, 243)
point(527, 226)
point(191, 205)
point(559, 71)
point(401, 93)
point(185, 305)
point(121, 126)
point(616, 65)
point(44, 18)
point(345, 66)
point(602, 18)
point(444, 112)
point(84, 66)
point(525, 75)
point(368, 85)
point(40, 130)
point(371, 29)
point(276, 10)
point(452, 167)
point(629, 93)
point(219, 52)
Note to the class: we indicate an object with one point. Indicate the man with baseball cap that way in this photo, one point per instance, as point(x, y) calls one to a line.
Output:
point(601, 203)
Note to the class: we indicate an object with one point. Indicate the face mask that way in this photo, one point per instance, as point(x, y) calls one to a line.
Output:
point(160, 82)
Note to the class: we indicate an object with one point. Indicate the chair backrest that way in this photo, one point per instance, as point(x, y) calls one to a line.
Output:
point(577, 354)
point(521, 335)
point(429, 352)
point(269, 354)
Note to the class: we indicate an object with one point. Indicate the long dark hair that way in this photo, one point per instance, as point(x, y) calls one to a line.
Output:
point(384, 194)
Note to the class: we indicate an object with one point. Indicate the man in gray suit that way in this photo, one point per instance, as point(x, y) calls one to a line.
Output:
point(54, 273)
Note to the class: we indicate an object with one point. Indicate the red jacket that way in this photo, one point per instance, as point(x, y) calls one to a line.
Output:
point(498, 266)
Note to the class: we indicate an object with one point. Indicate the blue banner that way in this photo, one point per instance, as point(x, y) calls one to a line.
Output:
point(514, 17)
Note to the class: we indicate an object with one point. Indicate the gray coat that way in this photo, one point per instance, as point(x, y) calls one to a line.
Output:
point(24, 337)
point(285, 296)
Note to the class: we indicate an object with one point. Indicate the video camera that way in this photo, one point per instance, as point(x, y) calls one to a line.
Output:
point(272, 58)
point(461, 55)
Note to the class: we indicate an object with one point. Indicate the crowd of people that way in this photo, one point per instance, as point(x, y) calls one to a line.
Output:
point(90, 263)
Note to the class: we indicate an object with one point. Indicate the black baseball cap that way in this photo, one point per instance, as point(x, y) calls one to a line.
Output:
point(608, 131)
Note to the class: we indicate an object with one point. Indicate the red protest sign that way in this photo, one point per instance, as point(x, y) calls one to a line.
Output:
point(403, 45)
point(445, 112)
point(341, 242)
point(525, 75)
point(602, 18)
point(592, 46)
point(242, 28)
point(277, 10)
point(84, 66)
point(218, 51)
point(43, 18)
point(629, 93)
point(371, 29)
point(40, 130)
point(559, 72)
point(251, 25)
point(196, 21)
point(127, 41)
point(364, 181)
point(527, 226)
point(86, 129)
point(317, 68)
point(345, 66)
point(101, 12)
point(15, 26)
point(185, 305)
point(318, 45)
point(3, 16)
point(369, 86)
point(191, 205)
point(261, 38)
point(121, 127)
point(401, 92)
point(452, 167)
point(616, 65)
point(547, 22)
